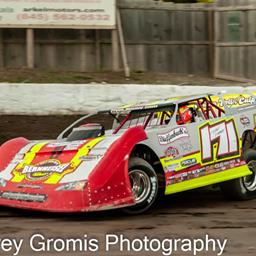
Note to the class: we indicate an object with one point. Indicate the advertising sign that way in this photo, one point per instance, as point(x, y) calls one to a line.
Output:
point(58, 14)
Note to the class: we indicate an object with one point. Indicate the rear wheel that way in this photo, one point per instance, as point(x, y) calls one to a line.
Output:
point(144, 183)
point(243, 188)
point(249, 141)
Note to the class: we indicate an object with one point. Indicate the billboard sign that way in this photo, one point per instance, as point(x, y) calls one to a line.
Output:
point(88, 14)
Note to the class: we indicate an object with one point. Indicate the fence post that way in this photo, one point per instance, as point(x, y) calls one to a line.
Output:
point(30, 48)
point(115, 50)
point(216, 46)
point(97, 49)
point(82, 51)
point(1, 49)
point(211, 41)
point(122, 44)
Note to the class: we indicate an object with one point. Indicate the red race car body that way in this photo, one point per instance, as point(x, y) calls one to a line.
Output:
point(83, 175)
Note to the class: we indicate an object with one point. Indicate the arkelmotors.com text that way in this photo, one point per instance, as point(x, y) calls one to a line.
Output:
point(39, 243)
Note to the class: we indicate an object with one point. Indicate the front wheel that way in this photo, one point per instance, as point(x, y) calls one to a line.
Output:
point(144, 183)
point(243, 188)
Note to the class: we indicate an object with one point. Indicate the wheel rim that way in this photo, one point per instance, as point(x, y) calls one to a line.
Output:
point(250, 181)
point(141, 185)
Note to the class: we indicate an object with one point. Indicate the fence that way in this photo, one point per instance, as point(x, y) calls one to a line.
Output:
point(235, 44)
point(161, 37)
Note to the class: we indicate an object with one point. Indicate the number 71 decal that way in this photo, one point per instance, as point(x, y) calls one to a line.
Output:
point(224, 134)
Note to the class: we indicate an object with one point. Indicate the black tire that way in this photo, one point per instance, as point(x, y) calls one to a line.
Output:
point(243, 188)
point(248, 140)
point(147, 193)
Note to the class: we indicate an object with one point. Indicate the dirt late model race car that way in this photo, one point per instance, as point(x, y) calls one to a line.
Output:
point(129, 156)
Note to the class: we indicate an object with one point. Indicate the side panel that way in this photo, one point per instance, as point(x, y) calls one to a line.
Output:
point(9, 149)
point(109, 184)
point(202, 153)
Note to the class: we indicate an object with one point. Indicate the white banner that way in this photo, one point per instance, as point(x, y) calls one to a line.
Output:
point(58, 13)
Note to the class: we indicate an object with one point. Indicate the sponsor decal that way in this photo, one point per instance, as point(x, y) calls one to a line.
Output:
point(218, 167)
point(168, 160)
point(23, 197)
point(173, 135)
point(189, 162)
point(90, 158)
point(224, 135)
point(29, 186)
point(172, 167)
point(16, 162)
point(180, 177)
point(237, 101)
point(44, 170)
point(52, 170)
point(139, 106)
point(174, 178)
point(67, 145)
point(245, 121)
point(186, 146)
point(172, 152)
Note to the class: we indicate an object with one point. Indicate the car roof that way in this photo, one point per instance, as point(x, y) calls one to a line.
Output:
point(158, 103)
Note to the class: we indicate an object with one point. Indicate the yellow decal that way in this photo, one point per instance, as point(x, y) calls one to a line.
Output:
point(172, 164)
point(18, 176)
point(208, 180)
point(235, 100)
point(50, 171)
point(75, 162)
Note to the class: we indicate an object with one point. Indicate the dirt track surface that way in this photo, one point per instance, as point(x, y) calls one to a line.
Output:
point(187, 215)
